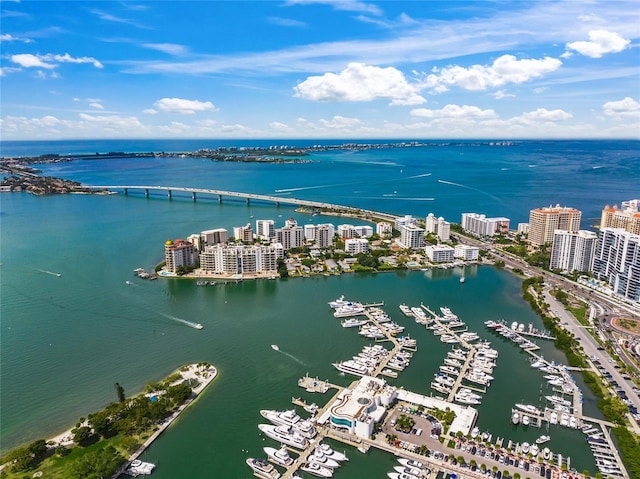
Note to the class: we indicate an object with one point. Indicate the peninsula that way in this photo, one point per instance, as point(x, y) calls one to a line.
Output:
point(106, 443)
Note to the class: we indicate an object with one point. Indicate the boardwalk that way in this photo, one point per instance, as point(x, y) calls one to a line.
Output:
point(278, 200)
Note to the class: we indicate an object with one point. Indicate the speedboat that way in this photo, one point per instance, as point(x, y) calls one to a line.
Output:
point(335, 455)
point(290, 418)
point(284, 434)
point(275, 347)
point(316, 469)
point(515, 418)
point(542, 439)
point(262, 468)
point(279, 456)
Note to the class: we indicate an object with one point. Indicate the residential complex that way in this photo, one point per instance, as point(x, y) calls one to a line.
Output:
point(617, 261)
point(544, 221)
point(573, 250)
point(243, 233)
point(466, 252)
point(438, 226)
point(290, 236)
point(179, 254)
point(265, 229)
point(411, 236)
point(626, 217)
point(233, 259)
point(384, 229)
point(440, 253)
point(356, 245)
point(480, 225)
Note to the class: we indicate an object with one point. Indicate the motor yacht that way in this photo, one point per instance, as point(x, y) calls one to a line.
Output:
point(279, 456)
point(284, 434)
point(262, 468)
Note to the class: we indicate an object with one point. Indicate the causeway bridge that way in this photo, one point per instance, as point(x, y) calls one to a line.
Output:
point(248, 197)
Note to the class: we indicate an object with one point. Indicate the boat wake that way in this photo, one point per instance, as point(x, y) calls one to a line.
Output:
point(276, 348)
point(183, 321)
point(471, 188)
point(50, 272)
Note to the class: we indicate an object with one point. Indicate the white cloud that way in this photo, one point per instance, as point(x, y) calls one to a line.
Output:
point(542, 114)
point(180, 105)
point(345, 5)
point(340, 122)
point(359, 82)
point(27, 60)
point(500, 94)
point(286, 22)
point(50, 61)
point(169, 48)
point(504, 70)
point(113, 122)
point(625, 108)
point(150, 111)
point(96, 105)
point(276, 125)
point(600, 43)
point(454, 111)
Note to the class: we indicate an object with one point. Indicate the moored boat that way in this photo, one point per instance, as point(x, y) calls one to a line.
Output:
point(262, 468)
point(279, 456)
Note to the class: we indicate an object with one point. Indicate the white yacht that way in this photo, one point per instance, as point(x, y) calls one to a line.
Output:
point(411, 463)
point(322, 459)
point(262, 468)
point(534, 450)
point(353, 322)
point(335, 455)
point(449, 370)
point(525, 420)
point(452, 362)
point(353, 367)
point(351, 309)
point(406, 310)
point(444, 379)
point(316, 469)
point(528, 408)
point(411, 471)
point(338, 302)
point(279, 456)
point(558, 400)
point(542, 439)
point(526, 447)
point(284, 434)
point(464, 399)
point(449, 339)
point(401, 475)
point(290, 418)
point(515, 418)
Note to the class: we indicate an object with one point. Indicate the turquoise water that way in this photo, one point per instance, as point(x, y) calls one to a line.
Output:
point(66, 340)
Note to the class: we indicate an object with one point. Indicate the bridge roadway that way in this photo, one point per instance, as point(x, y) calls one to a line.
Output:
point(248, 196)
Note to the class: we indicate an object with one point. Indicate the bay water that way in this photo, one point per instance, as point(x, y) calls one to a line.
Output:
point(66, 340)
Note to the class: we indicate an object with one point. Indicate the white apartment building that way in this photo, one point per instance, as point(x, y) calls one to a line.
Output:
point(439, 253)
point(438, 226)
point(324, 235)
point(356, 245)
point(290, 237)
point(480, 225)
point(179, 253)
point(573, 250)
point(411, 236)
point(265, 229)
point(197, 240)
point(347, 231)
point(364, 231)
point(544, 221)
point(243, 233)
point(617, 261)
point(466, 252)
point(216, 236)
point(405, 221)
point(310, 232)
point(384, 229)
point(239, 259)
point(523, 228)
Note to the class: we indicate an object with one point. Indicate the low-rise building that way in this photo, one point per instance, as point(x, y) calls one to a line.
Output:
point(233, 259)
point(347, 231)
point(364, 231)
point(440, 253)
point(466, 252)
point(356, 245)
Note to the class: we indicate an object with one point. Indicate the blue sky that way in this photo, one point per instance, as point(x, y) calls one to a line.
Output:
point(320, 69)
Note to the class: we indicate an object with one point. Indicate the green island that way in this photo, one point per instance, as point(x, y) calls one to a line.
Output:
point(104, 443)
